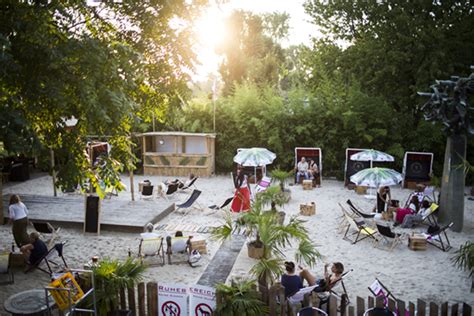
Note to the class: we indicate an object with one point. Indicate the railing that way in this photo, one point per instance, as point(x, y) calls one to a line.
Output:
point(142, 300)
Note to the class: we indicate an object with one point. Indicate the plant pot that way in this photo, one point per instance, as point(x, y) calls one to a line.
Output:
point(281, 217)
point(254, 251)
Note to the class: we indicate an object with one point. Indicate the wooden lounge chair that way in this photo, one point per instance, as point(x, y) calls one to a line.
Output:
point(359, 211)
point(439, 238)
point(179, 250)
point(152, 248)
point(190, 201)
point(362, 231)
point(387, 235)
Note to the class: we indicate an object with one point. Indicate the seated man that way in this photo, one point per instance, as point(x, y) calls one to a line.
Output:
point(150, 242)
point(148, 234)
point(302, 170)
point(35, 250)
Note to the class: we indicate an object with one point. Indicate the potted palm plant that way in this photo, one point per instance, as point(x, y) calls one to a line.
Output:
point(240, 298)
point(271, 239)
point(464, 259)
point(110, 277)
point(281, 176)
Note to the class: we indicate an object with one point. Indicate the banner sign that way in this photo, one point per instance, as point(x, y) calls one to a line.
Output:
point(172, 300)
point(353, 166)
point(202, 300)
point(417, 166)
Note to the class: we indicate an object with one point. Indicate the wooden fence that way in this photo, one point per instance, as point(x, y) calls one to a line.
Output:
point(142, 301)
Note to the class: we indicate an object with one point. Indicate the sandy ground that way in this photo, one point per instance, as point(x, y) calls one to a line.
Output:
point(428, 275)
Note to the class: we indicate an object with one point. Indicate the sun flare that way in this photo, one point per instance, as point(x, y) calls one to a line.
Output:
point(210, 29)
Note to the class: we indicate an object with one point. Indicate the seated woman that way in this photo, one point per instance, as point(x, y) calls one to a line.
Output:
point(314, 173)
point(413, 208)
point(291, 281)
point(35, 250)
point(411, 220)
point(180, 183)
point(328, 281)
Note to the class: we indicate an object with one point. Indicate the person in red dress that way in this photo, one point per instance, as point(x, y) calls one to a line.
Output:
point(241, 201)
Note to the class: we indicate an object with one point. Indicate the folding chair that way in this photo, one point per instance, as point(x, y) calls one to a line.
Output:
point(436, 238)
point(190, 201)
point(49, 230)
point(429, 217)
point(377, 288)
point(334, 290)
point(361, 229)
point(311, 311)
point(358, 211)
point(179, 246)
point(5, 269)
point(47, 260)
point(147, 192)
point(226, 202)
point(263, 184)
point(171, 189)
point(343, 223)
point(189, 184)
point(152, 247)
point(387, 235)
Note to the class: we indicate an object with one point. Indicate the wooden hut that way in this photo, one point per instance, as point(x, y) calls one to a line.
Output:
point(178, 153)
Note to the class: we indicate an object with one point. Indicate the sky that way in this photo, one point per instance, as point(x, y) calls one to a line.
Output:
point(300, 30)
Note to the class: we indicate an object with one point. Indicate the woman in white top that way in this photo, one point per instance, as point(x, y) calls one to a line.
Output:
point(18, 214)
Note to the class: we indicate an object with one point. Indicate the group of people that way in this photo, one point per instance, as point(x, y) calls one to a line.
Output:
point(293, 282)
point(417, 208)
point(31, 246)
point(309, 170)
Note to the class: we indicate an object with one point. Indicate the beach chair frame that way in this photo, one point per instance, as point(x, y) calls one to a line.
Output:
point(46, 258)
point(438, 242)
point(190, 201)
point(160, 252)
point(361, 230)
point(187, 252)
point(357, 210)
point(45, 228)
point(386, 232)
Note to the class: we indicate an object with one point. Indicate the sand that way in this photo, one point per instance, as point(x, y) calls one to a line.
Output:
point(428, 275)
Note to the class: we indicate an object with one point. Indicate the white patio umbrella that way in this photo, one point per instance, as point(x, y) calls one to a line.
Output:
point(377, 177)
point(254, 157)
point(371, 155)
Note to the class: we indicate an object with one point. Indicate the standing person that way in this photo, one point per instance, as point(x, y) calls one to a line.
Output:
point(241, 200)
point(302, 170)
point(314, 172)
point(18, 214)
point(383, 198)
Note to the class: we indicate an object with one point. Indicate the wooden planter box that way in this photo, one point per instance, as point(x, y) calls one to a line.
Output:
point(254, 252)
point(200, 245)
point(417, 242)
point(308, 209)
point(307, 184)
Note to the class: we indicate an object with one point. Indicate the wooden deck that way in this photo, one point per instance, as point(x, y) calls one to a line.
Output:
point(115, 214)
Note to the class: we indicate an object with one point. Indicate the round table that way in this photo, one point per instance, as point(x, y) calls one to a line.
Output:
point(31, 302)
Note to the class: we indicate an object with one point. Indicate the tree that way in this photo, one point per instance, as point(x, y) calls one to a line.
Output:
point(109, 66)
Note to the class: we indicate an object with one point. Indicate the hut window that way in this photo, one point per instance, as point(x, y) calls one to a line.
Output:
point(195, 145)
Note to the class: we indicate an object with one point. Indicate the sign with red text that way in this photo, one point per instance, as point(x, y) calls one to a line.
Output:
point(202, 300)
point(172, 300)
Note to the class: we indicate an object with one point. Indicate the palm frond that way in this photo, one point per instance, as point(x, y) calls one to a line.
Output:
point(464, 257)
point(271, 268)
point(307, 253)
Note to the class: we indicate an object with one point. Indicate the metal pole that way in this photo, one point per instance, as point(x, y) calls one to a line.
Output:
point(214, 114)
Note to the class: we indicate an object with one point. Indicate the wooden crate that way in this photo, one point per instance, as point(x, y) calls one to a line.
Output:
point(200, 245)
point(361, 190)
point(417, 242)
point(307, 184)
point(308, 209)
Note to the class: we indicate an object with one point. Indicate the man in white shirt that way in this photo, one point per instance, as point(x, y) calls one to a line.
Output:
point(302, 170)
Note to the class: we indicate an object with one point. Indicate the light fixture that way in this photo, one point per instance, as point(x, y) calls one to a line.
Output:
point(161, 141)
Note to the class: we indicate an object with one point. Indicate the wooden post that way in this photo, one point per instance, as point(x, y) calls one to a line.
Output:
point(401, 307)
point(152, 295)
point(141, 299)
point(53, 173)
point(444, 309)
point(420, 308)
point(466, 309)
point(131, 300)
point(2, 220)
point(332, 308)
point(454, 310)
point(123, 303)
point(433, 309)
point(411, 308)
point(132, 188)
point(360, 306)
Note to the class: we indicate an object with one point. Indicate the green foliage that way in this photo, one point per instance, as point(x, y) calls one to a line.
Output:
point(240, 298)
point(464, 257)
point(113, 275)
point(281, 176)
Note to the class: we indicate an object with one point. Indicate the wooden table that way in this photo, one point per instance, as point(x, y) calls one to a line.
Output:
point(417, 242)
point(31, 302)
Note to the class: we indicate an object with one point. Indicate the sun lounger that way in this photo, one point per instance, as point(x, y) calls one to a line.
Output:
point(226, 202)
point(47, 260)
point(151, 248)
point(359, 211)
point(362, 231)
point(439, 238)
point(387, 235)
point(190, 201)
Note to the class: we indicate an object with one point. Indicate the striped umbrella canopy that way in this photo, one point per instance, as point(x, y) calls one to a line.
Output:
point(254, 157)
point(377, 177)
point(371, 155)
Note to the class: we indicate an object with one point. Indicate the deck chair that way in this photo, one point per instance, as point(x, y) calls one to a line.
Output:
point(177, 247)
point(47, 230)
point(358, 211)
point(189, 184)
point(5, 269)
point(47, 260)
point(343, 223)
point(263, 184)
point(337, 289)
point(439, 238)
point(167, 190)
point(429, 218)
point(150, 248)
point(377, 288)
point(147, 192)
point(190, 201)
point(361, 229)
point(387, 235)
point(226, 202)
